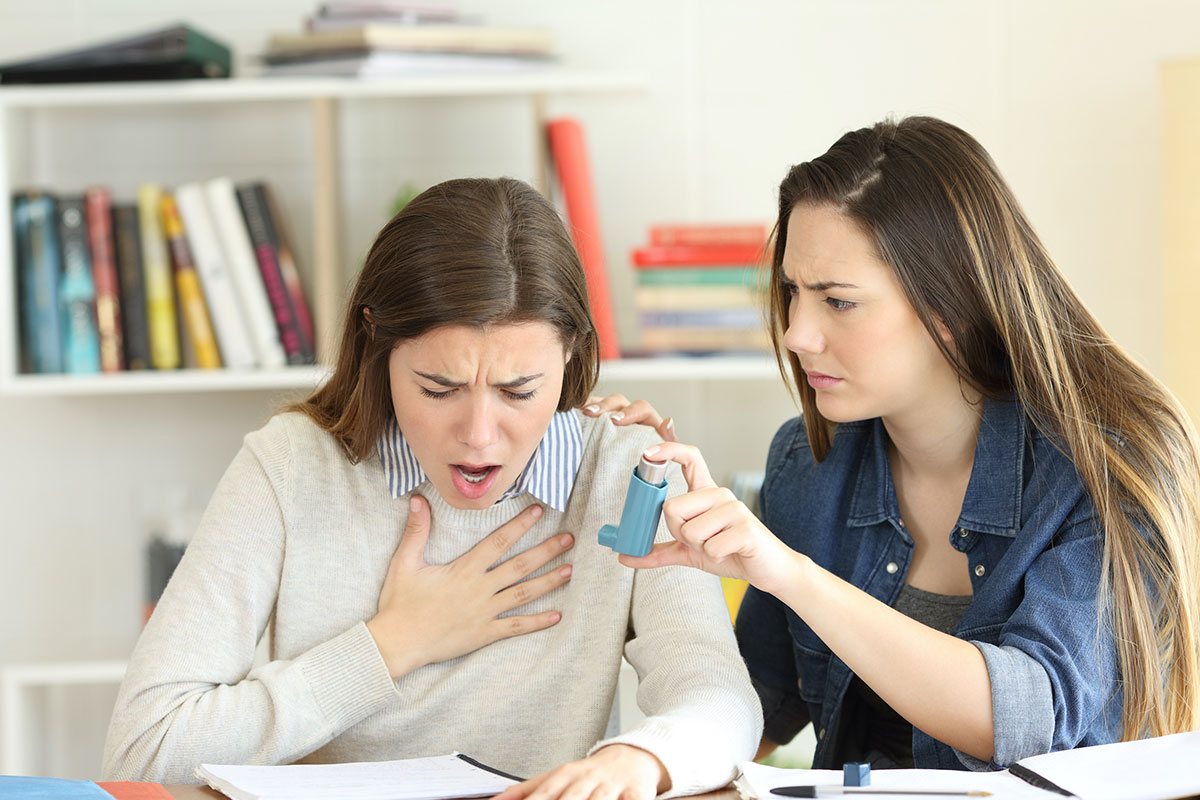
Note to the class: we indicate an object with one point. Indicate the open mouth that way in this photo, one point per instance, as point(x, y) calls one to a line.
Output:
point(474, 474)
point(473, 481)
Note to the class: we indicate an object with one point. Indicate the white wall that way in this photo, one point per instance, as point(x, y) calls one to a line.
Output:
point(1062, 93)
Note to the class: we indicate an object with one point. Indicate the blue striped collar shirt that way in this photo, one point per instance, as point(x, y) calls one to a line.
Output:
point(549, 475)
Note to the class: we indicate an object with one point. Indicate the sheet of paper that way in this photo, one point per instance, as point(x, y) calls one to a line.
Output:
point(1147, 769)
point(432, 778)
point(758, 780)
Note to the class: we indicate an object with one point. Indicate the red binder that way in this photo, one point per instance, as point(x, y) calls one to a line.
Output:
point(569, 152)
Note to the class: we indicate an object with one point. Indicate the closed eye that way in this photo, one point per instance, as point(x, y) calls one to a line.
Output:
point(521, 395)
point(435, 395)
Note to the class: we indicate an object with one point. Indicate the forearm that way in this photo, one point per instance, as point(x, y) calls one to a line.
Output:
point(176, 712)
point(938, 683)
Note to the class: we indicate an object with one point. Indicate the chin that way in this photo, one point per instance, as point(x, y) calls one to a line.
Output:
point(841, 412)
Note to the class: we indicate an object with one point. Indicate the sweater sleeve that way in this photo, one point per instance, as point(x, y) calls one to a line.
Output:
point(192, 694)
point(702, 714)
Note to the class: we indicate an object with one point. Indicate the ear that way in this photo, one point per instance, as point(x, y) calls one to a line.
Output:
point(944, 331)
point(366, 312)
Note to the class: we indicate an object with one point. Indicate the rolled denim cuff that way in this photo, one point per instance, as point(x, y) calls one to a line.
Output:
point(1022, 707)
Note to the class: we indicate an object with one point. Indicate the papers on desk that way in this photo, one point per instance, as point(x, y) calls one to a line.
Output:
point(436, 778)
point(757, 781)
point(1162, 768)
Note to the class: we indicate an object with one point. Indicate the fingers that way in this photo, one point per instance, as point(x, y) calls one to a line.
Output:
point(508, 627)
point(411, 550)
point(624, 412)
point(663, 554)
point(689, 459)
point(523, 564)
point(496, 544)
point(595, 406)
point(521, 593)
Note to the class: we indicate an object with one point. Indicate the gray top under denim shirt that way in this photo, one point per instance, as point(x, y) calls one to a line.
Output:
point(1033, 545)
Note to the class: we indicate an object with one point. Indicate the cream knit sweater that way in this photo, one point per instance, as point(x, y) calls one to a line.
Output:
point(297, 536)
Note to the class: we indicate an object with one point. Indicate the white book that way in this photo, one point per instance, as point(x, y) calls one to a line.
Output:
point(243, 265)
point(224, 306)
point(435, 778)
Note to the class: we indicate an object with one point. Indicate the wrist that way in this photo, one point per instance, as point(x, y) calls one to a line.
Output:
point(796, 580)
point(398, 662)
point(655, 768)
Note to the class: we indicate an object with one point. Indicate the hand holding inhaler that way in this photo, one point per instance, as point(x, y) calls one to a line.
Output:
point(643, 508)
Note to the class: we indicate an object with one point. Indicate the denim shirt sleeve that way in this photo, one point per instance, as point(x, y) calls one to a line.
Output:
point(1053, 670)
point(1022, 707)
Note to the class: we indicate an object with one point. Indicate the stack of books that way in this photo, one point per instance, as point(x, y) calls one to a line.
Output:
point(382, 39)
point(202, 276)
point(698, 289)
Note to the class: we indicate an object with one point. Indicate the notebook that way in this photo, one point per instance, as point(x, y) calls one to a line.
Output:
point(435, 778)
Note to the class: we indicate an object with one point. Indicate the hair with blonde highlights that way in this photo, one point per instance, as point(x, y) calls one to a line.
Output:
point(933, 202)
point(471, 251)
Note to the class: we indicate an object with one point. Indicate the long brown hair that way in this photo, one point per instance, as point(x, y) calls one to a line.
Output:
point(471, 251)
point(944, 219)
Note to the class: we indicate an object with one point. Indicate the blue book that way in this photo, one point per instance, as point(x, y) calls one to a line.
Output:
point(81, 341)
point(17, 787)
point(39, 267)
point(703, 318)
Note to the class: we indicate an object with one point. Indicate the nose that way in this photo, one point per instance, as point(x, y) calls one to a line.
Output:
point(803, 334)
point(478, 429)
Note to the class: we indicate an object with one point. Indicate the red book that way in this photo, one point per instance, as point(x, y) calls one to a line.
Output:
point(570, 162)
point(710, 234)
point(716, 255)
point(97, 211)
point(133, 790)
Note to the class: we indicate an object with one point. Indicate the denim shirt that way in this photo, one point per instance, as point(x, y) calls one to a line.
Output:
point(1033, 545)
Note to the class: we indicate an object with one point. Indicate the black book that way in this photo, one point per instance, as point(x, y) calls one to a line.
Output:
point(128, 246)
point(173, 53)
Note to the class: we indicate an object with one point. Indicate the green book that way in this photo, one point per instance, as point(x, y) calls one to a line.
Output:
point(172, 53)
point(708, 276)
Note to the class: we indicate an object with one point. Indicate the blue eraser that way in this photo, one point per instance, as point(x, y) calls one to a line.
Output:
point(643, 508)
point(856, 773)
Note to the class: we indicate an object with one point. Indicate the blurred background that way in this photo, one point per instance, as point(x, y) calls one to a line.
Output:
point(713, 101)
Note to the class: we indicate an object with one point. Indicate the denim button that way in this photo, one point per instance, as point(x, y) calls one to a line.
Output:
point(892, 567)
point(979, 570)
point(963, 531)
point(821, 735)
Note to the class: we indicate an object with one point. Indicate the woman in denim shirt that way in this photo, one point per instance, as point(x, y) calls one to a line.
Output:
point(979, 543)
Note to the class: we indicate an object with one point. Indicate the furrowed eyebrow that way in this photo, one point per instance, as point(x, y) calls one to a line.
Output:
point(442, 380)
point(822, 286)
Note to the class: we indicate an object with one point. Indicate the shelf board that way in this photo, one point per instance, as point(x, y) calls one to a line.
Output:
point(533, 81)
point(673, 369)
point(691, 368)
point(61, 673)
point(153, 382)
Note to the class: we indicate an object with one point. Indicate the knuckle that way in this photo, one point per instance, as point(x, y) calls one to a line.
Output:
point(522, 594)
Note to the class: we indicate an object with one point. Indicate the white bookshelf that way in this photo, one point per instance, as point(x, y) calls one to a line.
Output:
point(19, 683)
point(20, 107)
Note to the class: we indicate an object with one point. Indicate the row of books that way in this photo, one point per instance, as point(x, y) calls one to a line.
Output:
point(377, 39)
point(202, 276)
point(698, 289)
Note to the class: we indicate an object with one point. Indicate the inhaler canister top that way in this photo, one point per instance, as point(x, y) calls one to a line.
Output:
point(652, 472)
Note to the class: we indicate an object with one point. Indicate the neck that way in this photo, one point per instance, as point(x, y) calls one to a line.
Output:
point(937, 439)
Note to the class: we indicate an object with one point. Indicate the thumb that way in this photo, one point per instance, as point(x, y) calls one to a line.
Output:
point(663, 554)
point(416, 532)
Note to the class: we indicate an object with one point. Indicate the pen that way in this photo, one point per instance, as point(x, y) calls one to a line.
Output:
point(834, 791)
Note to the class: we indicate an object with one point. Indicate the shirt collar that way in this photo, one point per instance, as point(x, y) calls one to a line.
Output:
point(992, 503)
point(549, 476)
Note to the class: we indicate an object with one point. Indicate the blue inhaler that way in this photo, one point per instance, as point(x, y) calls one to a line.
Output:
point(643, 507)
